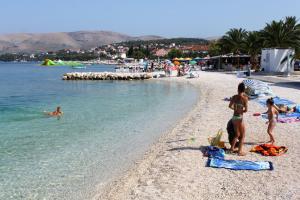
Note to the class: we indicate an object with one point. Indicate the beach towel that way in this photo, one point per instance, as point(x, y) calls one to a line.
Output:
point(277, 101)
point(214, 152)
point(297, 108)
point(269, 150)
point(286, 117)
point(288, 120)
point(239, 164)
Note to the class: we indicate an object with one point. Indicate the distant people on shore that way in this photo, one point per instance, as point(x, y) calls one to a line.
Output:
point(56, 113)
point(272, 117)
point(239, 104)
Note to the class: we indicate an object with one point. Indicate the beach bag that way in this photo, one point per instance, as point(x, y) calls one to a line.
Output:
point(216, 141)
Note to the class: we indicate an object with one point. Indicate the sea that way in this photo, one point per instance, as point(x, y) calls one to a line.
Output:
point(106, 127)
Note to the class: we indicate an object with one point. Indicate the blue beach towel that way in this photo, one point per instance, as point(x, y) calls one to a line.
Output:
point(277, 101)
point(239, 164)
point(214, 152)
point(282, 116)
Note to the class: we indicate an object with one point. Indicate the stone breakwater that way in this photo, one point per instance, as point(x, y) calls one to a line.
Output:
point(106, 76)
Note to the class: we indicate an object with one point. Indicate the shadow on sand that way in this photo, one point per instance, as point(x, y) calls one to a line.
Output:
point(289, 84)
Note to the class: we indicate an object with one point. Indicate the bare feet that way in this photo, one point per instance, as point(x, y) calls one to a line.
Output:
point(241, 153)
point(229, 151)
point(271, 142)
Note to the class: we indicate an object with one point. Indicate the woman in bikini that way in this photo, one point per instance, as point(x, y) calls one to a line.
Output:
point(239, 104)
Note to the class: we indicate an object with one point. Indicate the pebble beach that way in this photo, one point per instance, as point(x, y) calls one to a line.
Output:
point(174, 167)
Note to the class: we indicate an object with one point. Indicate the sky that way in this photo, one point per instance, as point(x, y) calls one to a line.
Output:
point(167, 18)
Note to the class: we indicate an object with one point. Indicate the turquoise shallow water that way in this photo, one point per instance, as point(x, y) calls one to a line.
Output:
point(105, 127)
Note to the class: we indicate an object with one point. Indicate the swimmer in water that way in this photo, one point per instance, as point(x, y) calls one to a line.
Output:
point(57, 112)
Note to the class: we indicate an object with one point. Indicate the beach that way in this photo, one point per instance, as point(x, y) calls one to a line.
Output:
point(174, 167)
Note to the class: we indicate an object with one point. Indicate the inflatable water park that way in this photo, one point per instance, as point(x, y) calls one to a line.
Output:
point(75, 64)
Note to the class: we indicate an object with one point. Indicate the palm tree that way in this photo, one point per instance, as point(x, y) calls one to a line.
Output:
point(252, 45)
point(282, 34)
point(232, 41)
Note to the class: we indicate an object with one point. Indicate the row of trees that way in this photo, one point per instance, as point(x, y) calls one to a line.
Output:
point(177, 53)
point(138, 52)
point(59, 55)
point(277, 34)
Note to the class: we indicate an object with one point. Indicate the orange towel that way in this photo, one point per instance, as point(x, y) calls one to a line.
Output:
point(269, 150)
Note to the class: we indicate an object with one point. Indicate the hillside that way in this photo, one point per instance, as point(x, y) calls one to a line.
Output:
point(165, 41)
point(41, 42)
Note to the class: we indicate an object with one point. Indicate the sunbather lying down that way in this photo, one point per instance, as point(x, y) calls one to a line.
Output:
point(287, 109)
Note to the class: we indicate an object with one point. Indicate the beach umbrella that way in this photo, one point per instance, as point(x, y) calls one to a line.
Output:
point(168, 61)
point(193, 62)
point(197, 58)
point(176, 63)
point(188, 59)
point(248, 82)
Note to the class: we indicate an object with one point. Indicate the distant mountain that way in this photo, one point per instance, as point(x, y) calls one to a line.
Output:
point(213, 38)
point(167, 41)
point(41, 42)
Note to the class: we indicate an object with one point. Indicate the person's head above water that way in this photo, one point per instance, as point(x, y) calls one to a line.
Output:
point(241, 88)
point(58, 109)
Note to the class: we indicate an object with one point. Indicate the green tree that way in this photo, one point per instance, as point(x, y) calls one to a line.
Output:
point(232, 41)
point(175, 53)
point(214, 49)
point(252, 45)
point(138, 54)
point(282, 34)
point(130, 52)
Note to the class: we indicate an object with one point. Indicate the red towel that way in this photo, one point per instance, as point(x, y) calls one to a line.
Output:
point(269, 150)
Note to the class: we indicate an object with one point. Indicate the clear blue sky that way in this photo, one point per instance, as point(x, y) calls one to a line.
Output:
point(169, 18)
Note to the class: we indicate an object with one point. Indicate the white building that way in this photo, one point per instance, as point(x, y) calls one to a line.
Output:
point(122, 55)
point(271, 59)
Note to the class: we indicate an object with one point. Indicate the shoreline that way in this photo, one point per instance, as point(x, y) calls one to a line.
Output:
point(124, 181)
point(174, 168)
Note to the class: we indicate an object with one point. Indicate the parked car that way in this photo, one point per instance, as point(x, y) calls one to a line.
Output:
point(297, 65)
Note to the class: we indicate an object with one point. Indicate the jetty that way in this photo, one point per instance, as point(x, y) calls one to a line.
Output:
point(106, 76)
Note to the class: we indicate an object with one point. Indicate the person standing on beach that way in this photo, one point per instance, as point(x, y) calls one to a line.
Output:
point(273, 117)
point(239, 104)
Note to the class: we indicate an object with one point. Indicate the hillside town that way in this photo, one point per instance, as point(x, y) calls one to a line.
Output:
point(138, 50)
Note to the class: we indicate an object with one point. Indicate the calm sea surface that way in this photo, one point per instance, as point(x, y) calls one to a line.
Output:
point(105, 127)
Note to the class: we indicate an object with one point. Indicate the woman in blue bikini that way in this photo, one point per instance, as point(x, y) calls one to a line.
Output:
point(239, 104)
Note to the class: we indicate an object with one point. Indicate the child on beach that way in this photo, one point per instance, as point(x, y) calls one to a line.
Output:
point(273, 117)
